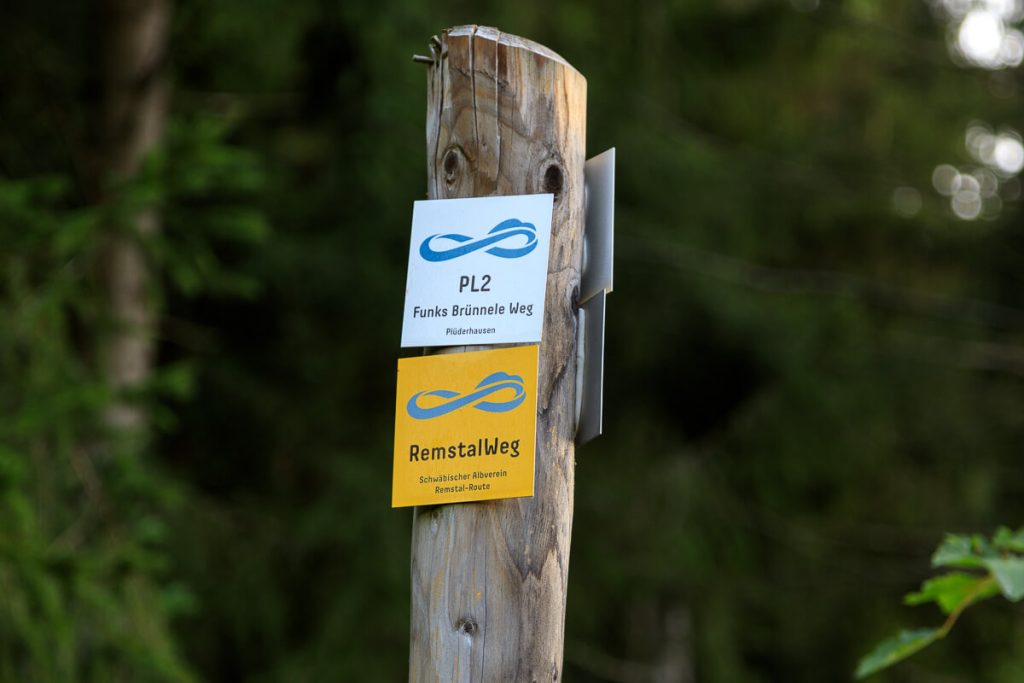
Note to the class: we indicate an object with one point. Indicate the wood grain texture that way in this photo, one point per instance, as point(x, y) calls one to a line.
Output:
point(506, 116)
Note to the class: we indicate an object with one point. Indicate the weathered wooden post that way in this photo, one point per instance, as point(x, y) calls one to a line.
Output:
point(506, 116)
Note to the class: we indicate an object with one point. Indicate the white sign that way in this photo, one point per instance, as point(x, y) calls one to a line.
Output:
point(477, 271)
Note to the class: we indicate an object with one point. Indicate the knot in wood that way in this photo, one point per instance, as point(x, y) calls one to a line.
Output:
point(553, 180)
point(467, 626)
point(452, 165)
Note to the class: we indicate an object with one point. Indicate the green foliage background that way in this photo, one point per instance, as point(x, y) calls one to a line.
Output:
point(805, 389)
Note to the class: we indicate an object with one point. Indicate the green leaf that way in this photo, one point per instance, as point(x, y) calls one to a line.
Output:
point(1009, 572)
point(950, 590)
point(896, 649)
point(1008, 540)
point(960, 551)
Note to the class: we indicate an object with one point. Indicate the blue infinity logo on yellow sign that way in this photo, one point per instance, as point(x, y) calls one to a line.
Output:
point(499, 381)
point(464, 244)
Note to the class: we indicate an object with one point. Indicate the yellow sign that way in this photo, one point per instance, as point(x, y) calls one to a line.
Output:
point(465, 426)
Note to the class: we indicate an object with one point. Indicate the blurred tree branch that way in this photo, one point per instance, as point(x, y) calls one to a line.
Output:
point(131, 120)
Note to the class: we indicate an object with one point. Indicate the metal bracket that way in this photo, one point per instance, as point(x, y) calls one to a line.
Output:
point(599, 232)
point(595, 284)
point(590, 371)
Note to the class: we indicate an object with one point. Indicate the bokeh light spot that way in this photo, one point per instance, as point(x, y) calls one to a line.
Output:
point(1008, 154)
point(946, 180)
point(966, 204)
point(906, 202)
point(980, 37)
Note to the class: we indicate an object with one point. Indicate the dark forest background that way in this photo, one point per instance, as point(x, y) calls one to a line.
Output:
point(815, 348)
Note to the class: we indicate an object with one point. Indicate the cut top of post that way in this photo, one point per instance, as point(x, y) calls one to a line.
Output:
point(509, 39)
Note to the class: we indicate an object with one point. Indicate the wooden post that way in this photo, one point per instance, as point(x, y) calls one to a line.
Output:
point(506, 116)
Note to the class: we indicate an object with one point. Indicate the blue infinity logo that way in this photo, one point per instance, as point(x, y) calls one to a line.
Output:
point(491, 384)
point(510, 229)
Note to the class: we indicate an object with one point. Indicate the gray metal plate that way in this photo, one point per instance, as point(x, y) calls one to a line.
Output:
point(599, 233)
point(591, 420)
